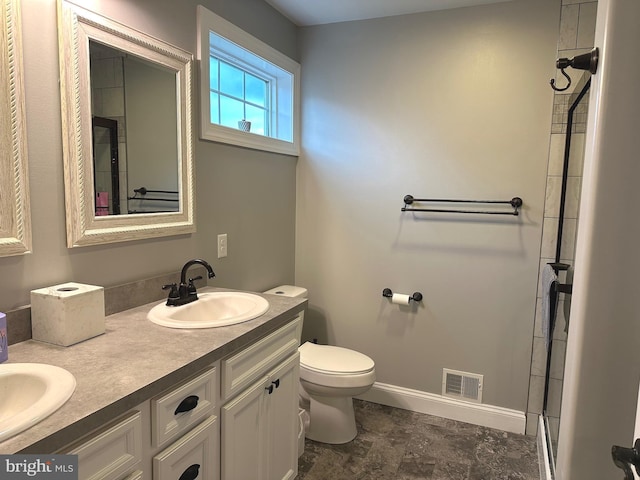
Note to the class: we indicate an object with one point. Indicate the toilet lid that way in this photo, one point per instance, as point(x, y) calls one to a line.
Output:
point(333, 360)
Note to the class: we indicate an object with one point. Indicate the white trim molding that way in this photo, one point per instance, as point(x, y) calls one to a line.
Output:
point(76, 28)
point(15, 213)
point(264, 59)
point(423, 402)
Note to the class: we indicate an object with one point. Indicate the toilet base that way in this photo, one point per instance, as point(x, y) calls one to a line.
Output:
point(332, 420)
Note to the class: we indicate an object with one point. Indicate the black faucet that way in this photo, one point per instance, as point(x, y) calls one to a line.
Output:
point(186, 292)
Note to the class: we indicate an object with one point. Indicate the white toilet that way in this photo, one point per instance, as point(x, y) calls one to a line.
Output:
point(329, 378)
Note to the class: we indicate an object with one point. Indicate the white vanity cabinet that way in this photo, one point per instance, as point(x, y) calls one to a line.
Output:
point(174, 435)
point(259, 421)
point(235, 420)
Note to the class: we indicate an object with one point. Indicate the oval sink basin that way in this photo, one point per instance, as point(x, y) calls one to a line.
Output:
point(30, 392)
point(212, 309)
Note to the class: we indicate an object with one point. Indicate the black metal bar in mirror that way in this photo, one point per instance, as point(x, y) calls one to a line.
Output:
point(112, 71)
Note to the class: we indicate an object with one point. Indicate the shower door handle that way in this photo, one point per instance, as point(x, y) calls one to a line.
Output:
point(625, 457)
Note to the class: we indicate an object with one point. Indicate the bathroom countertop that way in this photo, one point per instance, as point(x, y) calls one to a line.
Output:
point(133, 361)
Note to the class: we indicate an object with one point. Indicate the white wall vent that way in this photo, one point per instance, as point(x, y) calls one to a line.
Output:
point(463, 385)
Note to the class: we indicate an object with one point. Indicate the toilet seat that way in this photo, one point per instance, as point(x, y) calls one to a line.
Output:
point(331, 360)
point(337, 367)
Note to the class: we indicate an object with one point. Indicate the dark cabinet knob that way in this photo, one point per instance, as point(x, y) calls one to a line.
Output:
point(269, 389)
point(191, 473)
point(276, 383)
point(187, 404)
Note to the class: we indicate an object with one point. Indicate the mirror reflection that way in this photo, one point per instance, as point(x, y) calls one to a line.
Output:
point(134, 120)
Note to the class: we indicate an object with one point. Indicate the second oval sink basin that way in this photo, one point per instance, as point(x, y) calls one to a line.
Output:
point(30, 392)
point(212, 309)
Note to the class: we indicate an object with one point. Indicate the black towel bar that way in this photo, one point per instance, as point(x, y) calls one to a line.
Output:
point(154, 199)
point(144, 191)
point(515, 202)
point(156, 195)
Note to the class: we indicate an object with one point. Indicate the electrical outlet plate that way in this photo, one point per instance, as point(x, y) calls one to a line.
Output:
point(222, 245)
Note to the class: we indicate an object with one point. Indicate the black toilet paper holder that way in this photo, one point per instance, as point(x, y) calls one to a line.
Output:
point(416, 297)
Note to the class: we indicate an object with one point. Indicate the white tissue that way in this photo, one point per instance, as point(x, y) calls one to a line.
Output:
point(400, 299)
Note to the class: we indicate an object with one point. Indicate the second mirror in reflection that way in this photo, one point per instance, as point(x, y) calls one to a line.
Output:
point(135, 131)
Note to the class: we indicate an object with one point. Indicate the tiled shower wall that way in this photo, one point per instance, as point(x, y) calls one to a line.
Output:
point(108, 100)
point(577, 28)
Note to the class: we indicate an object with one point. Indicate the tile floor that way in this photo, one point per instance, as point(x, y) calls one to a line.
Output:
point(395, 444)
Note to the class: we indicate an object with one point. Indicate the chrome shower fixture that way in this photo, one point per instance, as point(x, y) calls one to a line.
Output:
point(585, 61)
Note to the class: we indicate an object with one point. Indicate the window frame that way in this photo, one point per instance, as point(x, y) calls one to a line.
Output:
point(210, 22)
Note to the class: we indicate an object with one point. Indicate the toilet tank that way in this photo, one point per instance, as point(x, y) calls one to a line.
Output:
point(289, 291)
point(294, 292)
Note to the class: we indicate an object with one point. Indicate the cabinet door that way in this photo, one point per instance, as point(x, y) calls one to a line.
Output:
point(243, 435)
point(112, 453)
point(282, 420)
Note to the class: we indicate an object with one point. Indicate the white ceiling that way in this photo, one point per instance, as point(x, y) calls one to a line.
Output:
point(315, 12)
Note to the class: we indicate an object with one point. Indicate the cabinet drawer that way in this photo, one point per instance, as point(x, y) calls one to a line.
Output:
point(243, 368)
point(192, 456)
point(137, 475)
point(178, 410)
point(112, 453)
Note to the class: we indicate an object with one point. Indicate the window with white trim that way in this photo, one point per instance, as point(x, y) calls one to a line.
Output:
point(249, 92)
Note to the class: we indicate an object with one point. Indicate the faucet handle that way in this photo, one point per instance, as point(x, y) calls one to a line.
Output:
point(191, 288)
point(173, 293)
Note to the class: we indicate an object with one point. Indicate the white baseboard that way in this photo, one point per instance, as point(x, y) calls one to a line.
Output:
point(476, 413)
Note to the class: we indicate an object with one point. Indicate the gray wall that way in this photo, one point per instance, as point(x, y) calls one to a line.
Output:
point(452, 104)
point(248, 195)
point(151, 123)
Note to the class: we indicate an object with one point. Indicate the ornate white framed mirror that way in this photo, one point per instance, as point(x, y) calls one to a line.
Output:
point(15, 218)
point(126, 125)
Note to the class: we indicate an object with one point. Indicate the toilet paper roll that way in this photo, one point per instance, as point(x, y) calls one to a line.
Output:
point(400, 299)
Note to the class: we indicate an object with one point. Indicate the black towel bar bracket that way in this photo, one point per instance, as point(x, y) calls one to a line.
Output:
point(416, 297)
point(515, 202)
point(557, 286)
point(564, 288)
point(559, 266)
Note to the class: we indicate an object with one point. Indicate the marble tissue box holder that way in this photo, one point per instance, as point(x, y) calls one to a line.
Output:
point(68, 313)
